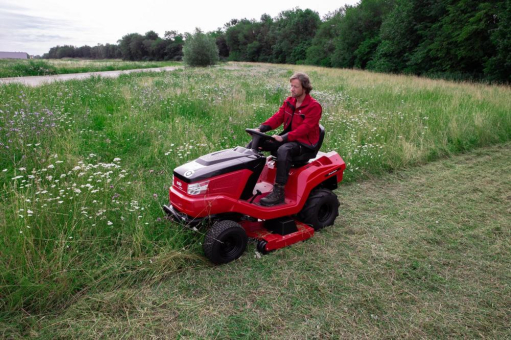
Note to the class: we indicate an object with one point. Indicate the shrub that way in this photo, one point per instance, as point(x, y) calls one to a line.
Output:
point(200, 49)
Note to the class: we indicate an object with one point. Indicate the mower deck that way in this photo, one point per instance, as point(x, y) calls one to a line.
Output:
point(275, 240)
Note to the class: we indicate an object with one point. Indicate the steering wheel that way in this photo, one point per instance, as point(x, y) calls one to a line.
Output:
point(258, 133)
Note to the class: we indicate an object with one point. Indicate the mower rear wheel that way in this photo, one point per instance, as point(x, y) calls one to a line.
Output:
point(321, 209)
point(225, 241)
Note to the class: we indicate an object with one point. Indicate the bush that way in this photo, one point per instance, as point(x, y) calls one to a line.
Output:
point(200, 50)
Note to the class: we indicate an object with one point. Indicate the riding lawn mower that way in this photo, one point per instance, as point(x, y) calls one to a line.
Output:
point(222, 190)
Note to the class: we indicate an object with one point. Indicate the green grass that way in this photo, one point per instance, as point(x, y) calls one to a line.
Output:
point(39, 67)
point(85, 165)
point(422, 253)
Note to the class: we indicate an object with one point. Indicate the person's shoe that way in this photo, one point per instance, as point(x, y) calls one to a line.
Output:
point(276, 197)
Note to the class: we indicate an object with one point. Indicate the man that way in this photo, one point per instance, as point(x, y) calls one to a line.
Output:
point(300, 115)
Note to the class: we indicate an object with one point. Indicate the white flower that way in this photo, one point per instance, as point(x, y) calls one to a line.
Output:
point(117, 159)
point(109, 223)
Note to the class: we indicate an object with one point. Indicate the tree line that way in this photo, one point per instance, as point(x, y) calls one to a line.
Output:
point(455, 39)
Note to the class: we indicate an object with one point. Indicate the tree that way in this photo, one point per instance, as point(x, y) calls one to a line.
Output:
point(359, 32)
point(498, 67)
point(463, 41)
point(293, 32)
point(238, 37)
point(175, 42)
point(221, 43)
point(322, 46)
point(124, 45)
point(200, 49)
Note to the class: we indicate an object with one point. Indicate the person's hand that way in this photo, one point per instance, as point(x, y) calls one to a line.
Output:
point(278, 138)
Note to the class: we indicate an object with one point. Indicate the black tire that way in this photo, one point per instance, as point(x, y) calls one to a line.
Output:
point(321, 209)
point(225, 241)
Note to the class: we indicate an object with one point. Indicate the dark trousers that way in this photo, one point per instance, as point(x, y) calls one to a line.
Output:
point(284, 153)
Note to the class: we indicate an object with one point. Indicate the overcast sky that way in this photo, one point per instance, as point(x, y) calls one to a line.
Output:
point(34, 26)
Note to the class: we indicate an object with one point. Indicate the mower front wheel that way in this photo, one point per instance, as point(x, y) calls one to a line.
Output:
point(320, 209)
point(225, 241)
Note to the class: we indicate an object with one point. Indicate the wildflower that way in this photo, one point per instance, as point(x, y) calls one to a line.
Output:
point(109, 223)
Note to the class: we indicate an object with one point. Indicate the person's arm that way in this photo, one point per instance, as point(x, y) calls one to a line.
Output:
point(274, 121)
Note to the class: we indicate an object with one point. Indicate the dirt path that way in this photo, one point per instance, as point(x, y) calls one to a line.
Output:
point(41, 80)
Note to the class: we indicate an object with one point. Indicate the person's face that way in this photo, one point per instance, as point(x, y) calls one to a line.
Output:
point(296, 88)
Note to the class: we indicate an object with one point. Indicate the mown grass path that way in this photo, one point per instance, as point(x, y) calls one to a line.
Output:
point(421, 253)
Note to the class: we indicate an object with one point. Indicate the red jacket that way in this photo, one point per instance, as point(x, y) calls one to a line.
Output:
point(301, 124)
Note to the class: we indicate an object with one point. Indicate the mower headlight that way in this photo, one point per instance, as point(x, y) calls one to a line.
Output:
point(198, 188)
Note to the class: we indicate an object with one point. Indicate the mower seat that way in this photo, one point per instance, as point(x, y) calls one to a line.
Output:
point(304, 158)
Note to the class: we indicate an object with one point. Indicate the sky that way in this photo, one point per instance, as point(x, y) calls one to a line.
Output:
point(34, 26)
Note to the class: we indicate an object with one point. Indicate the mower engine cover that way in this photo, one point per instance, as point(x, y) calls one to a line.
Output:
point(231, 172)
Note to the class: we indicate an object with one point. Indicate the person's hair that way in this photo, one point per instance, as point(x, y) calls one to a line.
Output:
point(304, 80)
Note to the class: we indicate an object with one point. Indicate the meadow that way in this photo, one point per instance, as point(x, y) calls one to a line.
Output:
point(45, 67)
point(85, 165)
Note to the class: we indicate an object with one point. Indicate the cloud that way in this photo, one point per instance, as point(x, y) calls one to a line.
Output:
point(12, 21)
point(33, 34)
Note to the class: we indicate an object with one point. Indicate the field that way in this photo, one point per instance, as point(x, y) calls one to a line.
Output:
point(45, 67)
point(85, 167)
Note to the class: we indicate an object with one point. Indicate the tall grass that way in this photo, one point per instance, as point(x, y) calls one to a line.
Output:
point(22, 68)
point(86, 165)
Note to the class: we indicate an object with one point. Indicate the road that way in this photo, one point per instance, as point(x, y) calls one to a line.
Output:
point(41, 80)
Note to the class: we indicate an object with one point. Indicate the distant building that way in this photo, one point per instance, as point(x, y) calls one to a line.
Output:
point(13, 55)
